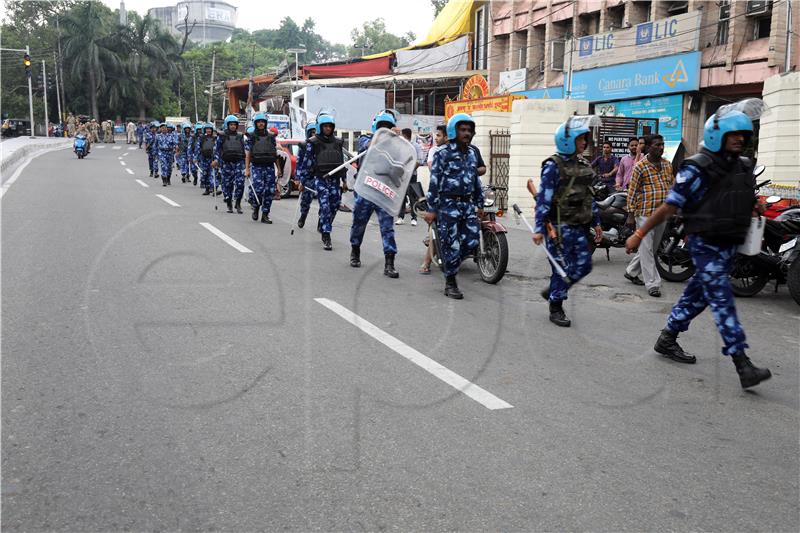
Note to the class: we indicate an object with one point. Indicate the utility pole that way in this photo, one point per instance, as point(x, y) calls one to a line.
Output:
point(58, 92)
point(568, 95)
point(30, 93)
point(194, 88)
point(250, 85)
point(59, 66)
point(787, 64)
point(211, 85)
point(44, 97)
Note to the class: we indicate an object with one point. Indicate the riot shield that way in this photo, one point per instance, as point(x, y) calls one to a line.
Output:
point(385, 170)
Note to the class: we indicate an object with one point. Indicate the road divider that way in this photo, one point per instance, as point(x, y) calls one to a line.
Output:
point(483, 397)
point(232, 242)
point(170, 202)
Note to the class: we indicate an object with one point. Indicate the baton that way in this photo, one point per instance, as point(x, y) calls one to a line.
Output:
point(297, 207)
point(340, 167)
point(553, 260)
point(250, 181)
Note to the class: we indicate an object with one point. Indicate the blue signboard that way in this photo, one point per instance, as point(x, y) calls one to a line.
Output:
point(667, 110)
point(539, 94)
point(664, 75)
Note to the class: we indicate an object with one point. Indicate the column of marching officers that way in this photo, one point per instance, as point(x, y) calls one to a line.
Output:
point(713, 190)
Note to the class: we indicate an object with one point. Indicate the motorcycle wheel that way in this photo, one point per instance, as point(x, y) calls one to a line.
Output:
point(492, 264)
point(793, 280)
point(675, 266)
point(286, 190)
point(747, 279)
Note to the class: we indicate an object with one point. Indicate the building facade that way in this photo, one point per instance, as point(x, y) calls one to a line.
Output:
point(209, 21)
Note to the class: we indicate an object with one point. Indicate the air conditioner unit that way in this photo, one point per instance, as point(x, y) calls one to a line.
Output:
point(557, 55)
point(755, 8)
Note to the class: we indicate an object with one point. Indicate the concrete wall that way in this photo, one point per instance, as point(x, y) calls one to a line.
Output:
point(780, 129)
point(533, 123)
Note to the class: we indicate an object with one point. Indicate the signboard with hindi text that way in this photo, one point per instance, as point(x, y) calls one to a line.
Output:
point(491, 103)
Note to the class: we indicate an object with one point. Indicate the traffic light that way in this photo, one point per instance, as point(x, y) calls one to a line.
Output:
point(27, 62)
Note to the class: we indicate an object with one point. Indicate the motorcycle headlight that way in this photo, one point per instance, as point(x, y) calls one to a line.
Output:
point(488, 202)
point(488, 198)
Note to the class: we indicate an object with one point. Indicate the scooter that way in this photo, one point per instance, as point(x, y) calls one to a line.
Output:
point(79, 146)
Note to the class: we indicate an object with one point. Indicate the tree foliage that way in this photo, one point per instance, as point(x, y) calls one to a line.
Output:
point(374, 39)
point(438, 5)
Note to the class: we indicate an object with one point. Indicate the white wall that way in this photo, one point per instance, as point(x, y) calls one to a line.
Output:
point(780, 130)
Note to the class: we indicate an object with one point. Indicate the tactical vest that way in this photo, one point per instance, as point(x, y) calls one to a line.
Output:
point(723, 215)
point(573, 197)
point(232, 148)
point(183, 143)
point(207, 146)
point(327, 154)
point(264, 150)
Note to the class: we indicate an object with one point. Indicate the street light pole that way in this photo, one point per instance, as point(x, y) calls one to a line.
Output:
point(30, 95)
point(58, 92)
point(211, 86)
point(44, 97)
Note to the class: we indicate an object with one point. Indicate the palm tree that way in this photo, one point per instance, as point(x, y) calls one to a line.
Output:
point(87, 44)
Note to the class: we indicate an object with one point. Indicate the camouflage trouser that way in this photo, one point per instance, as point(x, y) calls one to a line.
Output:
point(183, 163)
point(710, 286)
point(205, 173)
point(262, 176)
point(232, 174)
point(152, 162)
point(458, 228)
point(305, 198)
point(165, 159)
point(329, 195)
point(362, 211)
point(575, 257)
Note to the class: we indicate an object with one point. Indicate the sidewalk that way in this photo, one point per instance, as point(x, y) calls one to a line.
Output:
point(12, 151)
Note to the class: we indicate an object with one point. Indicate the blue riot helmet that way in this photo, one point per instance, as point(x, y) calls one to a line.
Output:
point(154, 124)
point(208, 126)
point(731, 118)
point(251, 130)
point(260, 116)
point(186, 125)
point(384, 119)
point(310, 126)
point(325, 119)
point(573, 128)
point(198, 127)
point(454, 121)
point(170, 126)
point(230, 119)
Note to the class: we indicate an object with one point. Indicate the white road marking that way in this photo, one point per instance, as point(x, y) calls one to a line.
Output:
point(140, 182)
point(100, 147)
point(116, 147)
point(129, 171)
point(483, 397)
point(170, 202)
point(226, 238)
point(120, 158)
point(126, 153)
point(123, 163)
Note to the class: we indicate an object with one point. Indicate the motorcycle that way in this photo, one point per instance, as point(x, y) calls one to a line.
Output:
point(613, 215)
point(491, 256)
point(79, 146)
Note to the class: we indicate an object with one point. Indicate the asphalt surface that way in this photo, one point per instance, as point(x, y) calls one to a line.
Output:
point(156, 378)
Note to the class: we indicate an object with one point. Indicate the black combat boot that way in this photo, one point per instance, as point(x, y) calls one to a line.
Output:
point(183, 178)
point(151, 173)
point(239, 206)
point(545, 293)
point(254, 216)
point(169, 180)
point(265, 218)
point(557, 315)
point(155, 176)
point(229, 203)
point(302, 220)
point(749, 374)
point(207, 193)
point(355, 256)
point(451, 288)
point(667, 345)
point(388, 267)
point(326, 241)
point(163, 181)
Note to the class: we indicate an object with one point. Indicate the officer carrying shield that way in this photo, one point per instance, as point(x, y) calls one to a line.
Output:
point(229, 158)
point(566, 204)
point(714, 189)
point(261, 152)
point(454, 195)
point(305, 195)
point(363, 209)
point(324, 154)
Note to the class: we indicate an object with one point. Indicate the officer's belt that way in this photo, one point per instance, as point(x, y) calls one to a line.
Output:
point(458, 197)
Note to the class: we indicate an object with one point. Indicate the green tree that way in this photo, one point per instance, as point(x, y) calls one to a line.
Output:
point(375, 39)
point(438, 5)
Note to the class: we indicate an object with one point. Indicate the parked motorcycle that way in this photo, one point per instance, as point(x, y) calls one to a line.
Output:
point(613, 215)
point(79, 146)
point(491, 255)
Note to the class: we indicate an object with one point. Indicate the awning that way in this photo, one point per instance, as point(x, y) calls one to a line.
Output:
point(450, 57)
point(387, 80)
point(373, 67)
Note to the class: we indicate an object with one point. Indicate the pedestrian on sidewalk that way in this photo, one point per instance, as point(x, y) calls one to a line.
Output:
point(714, 190)
point(626, 165)
point(650, 183)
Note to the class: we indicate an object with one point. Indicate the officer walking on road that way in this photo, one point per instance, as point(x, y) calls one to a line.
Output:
point(715, 191)
point(454, 195)
point(261, 152)
point(363, 209)
point(565, 203)
point(167, 144)
point(204, 155)
point(229, 158)
point(323, 154)
point(305, 195)
point(184, 140)
point(150, 146)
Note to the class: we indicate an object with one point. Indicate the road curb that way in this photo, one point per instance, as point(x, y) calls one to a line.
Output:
point(9, 162)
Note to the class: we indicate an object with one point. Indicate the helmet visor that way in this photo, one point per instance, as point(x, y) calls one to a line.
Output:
point(754, 108)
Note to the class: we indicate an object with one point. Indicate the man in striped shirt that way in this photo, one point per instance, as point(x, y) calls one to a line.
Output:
point(650, 183)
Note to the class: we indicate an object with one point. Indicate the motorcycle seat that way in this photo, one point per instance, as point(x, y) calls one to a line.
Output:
point(603, 204)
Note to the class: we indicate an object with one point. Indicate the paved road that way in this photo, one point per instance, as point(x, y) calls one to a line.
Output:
point(154, 377)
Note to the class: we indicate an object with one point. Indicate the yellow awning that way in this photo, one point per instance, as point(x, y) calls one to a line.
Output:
point(452, 21)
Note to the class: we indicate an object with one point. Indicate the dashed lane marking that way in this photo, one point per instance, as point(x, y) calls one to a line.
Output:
point(170, 202)
point(232, 242)
point(140, 182)
point(129, 171)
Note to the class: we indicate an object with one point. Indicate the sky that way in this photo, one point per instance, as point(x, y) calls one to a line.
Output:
point(334, 18)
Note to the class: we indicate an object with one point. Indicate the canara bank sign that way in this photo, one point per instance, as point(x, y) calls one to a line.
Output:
point(664, 75)
point(646, 40)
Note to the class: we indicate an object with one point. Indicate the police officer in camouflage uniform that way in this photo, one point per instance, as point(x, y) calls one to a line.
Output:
point(193, 150)
point(167, 144)
point(454, 195)
point(150, 139)
point(565, 202)
point(204, 156)
point(714, 189)
point(323, 154)
point(363, 209)
point(261, 152)
point(183, 159)
point(305, 195)
point(229, 157)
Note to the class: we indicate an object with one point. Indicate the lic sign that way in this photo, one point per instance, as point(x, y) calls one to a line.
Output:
point(595, 43)
point(655, 31)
